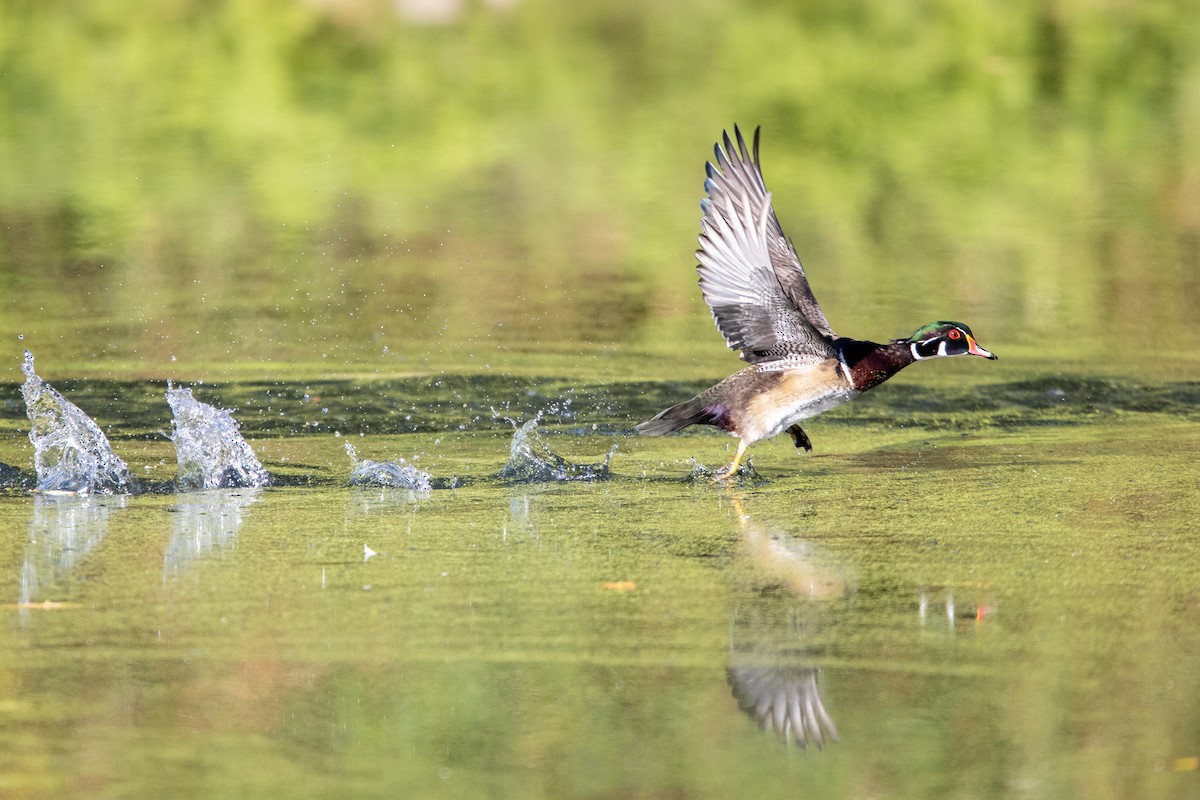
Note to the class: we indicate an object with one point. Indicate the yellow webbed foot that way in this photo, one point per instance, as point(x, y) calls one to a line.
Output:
point(728, 474)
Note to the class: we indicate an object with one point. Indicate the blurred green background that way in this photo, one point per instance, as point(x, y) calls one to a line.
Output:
point(272, 186)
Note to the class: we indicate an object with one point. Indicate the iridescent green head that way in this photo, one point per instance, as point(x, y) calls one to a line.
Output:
point(945, 339)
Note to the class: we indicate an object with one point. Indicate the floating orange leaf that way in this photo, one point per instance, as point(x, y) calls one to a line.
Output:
point(45, 605)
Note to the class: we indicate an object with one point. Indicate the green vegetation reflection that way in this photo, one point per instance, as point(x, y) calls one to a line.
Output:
point(344, 185)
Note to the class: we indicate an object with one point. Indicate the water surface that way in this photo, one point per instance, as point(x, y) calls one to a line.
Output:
point(349, 225)
point(984, 607)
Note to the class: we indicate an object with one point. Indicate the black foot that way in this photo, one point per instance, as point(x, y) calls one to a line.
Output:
point(800, 437)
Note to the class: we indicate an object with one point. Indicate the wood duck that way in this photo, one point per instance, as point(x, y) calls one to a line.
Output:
point(752, 279)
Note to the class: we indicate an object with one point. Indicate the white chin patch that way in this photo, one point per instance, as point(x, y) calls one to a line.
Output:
point(941, 351)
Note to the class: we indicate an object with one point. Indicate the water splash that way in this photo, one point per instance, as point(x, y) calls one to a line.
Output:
point(746, 474)
point(387, 473)
point(531, 460)
point(70, 452)
point(209, 445)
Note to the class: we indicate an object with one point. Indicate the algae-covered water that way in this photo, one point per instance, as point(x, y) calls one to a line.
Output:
point(356, 223)
point(1001, 602)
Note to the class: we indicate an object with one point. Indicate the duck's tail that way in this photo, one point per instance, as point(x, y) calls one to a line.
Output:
point(697, 411)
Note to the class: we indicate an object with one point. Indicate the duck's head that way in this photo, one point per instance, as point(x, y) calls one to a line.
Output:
point(945, 339)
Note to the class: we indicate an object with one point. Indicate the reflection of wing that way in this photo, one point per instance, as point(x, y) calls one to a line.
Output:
point(785, 702)
point(750, 274)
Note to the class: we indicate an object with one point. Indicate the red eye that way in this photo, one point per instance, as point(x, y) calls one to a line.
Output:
point(953, 334)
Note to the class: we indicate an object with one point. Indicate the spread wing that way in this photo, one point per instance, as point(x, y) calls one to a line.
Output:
point(750, 274)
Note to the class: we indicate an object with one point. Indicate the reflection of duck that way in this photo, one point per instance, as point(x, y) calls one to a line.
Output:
point(752, 279)
point(774, 634)
point(794, 564)
point(785, 702)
